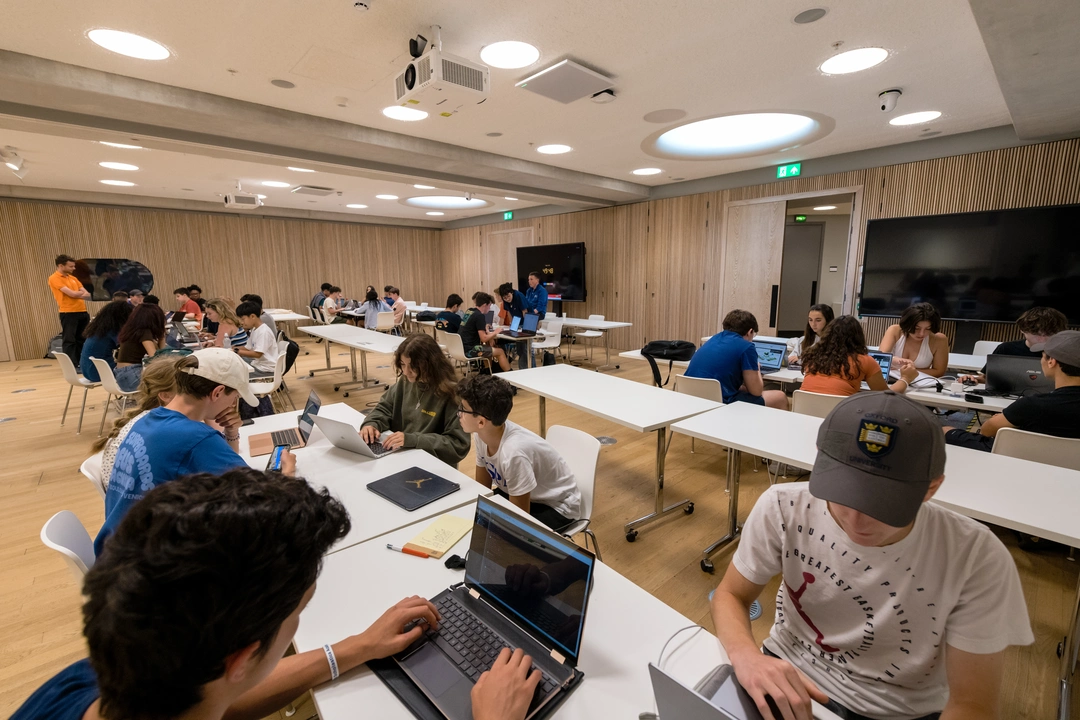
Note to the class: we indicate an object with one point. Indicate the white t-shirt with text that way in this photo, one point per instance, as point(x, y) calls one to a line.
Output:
point(527, 463)
point(262, 339)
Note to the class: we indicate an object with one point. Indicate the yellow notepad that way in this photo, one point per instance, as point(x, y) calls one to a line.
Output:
point(441, 535)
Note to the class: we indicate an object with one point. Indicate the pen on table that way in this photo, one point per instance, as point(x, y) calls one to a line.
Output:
point(407, 551)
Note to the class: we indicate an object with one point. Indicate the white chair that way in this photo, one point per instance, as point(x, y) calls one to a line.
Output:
point(91, 469)
point(812, 403)
point(384, 322)
point(552, 337)
point(581, 452)
point(65, 534)
point(704, 388)
point(1036, 447)
point(586, 335)
point(108, 381)
point(456, 350)
point(984, 347)
point(270, 386)
point(75, 380)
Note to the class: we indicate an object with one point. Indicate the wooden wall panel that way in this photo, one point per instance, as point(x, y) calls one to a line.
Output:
point(754, 246)
point(459, 271)
point(628, 296)
point(596, 228)
point(677, 250)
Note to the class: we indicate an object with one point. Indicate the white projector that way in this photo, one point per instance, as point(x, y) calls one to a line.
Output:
point(242, 201)
point(440, 83)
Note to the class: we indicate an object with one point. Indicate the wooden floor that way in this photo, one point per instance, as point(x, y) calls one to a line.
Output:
point(40, 626)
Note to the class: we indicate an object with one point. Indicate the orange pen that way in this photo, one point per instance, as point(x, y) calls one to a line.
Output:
point(407, 551)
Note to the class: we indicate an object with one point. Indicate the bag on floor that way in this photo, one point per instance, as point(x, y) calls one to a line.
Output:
point(55, 347)
point(549, 358)
point(264, 408)
point(670, 350)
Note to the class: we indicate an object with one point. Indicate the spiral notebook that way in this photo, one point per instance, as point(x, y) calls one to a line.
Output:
point(413, 488)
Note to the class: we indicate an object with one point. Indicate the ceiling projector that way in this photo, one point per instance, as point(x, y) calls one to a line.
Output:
point(438, 82)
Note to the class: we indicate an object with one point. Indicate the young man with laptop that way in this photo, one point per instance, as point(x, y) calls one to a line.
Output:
point(731, 357)
point(889, 606)
point(520, 463)
point(261, 348)
point(187, 309)
point(1055, 413)
point(476, 337)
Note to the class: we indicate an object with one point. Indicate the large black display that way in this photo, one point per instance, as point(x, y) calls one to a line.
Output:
point(562, 268)
point(987, 266)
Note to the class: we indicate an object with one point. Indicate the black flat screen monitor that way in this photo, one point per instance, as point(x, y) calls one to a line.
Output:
point(561, 267)
point(985, 266)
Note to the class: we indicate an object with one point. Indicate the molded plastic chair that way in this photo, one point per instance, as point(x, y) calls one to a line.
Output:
point(552, 340)
point(91, 469)
point(984, 347)
point(1036, 447)
point(270, 386)
point(74, 379)
point(456, 350)
point(704, 388)
point(581, 452)
point(108, 381)
point(587, 334)
point(65, 534)
point(812, 403)
point(384, 322)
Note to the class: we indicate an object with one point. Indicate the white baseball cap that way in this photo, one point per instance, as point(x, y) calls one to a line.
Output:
point(225, 368)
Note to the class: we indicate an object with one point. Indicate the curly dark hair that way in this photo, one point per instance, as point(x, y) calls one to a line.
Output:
point(835, 351)
point(200, 568)
point(110, 319)
point(145, 317)
point(917, 313)
point(489, 397)
point(433, 370)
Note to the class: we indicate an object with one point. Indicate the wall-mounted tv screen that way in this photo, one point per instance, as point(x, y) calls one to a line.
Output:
point(986, 266)
point(104, 276)
point(561, 267)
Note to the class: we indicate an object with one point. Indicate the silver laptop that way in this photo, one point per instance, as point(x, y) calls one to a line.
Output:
point(345, 436)
point(718, 696)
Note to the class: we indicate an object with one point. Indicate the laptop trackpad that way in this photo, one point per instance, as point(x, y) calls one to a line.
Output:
point(442, 679)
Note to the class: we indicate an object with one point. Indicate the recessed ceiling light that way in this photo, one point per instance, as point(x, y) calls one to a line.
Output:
point(554, 149)
point(356, 206)
point(808, 16)
point(262, 197)
point(118, 166)
point(275, 183)
point(510, 199)
point(509, 54)
point(648, 171)
point(387, 197)
point(740, 135)
point(822, 208)
point(296, 169)
point(128, 44)
point(118, 183)
point(397, 112)
point(854, 61)
point(283, 84)
point(435, 212)
point(446, 202)
point(915, 118)
point(424, 187)
point(122, 146)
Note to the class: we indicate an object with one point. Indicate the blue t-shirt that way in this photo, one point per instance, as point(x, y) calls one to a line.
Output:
point(537, 299)
point(100, 347)
point(163, 446)
point(723, 357)
point(65, 696)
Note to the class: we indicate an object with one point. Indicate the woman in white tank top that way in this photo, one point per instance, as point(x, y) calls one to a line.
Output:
point(917, 340)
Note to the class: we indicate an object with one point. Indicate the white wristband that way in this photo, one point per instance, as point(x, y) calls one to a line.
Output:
point(330, 658)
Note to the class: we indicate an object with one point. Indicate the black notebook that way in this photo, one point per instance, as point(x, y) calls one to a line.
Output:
point(413, 488)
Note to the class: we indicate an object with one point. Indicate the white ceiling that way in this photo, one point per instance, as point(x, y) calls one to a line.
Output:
point(700, 56)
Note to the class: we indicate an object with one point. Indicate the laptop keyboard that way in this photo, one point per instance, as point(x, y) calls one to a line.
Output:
point(377, 448)
point(473, 646)
point(288, 437)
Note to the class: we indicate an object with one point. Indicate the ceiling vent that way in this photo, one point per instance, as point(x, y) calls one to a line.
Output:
point(313, 190)
point(566, 82)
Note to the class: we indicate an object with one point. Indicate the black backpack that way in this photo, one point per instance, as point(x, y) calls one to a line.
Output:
point(426, 316)
point(670, 350)
point(290, 354)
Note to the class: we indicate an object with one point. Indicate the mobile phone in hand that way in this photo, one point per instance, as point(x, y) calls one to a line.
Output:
point(274, 463)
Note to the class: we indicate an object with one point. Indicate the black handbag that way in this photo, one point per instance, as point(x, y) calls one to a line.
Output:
point(670, 350)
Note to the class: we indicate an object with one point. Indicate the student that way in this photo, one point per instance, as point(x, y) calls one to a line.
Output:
point(229, 333)
point(102, 337)
point(266, 318)
point(190, 609)
point(521, 464)
point(917, 340)
point(387, 299)
point(475, 337)
point(71, 297)
point(817, 318)
point(261, 348)
point(195, 293)
point(135, 298)
point(536, 297)
point(1037, 325)
point(398, 306)
point(890, 606)
point(143, 334)
point(176, 440)
point(838, 363)
point(420, 409)
point(332, 306)
point(188, 308)
point(152, 300)
point(371, 307)
point(513, 303)
point(731, 358)
point(450, 318)
point(120, 295)
point(317, 300)
point(1055, 413)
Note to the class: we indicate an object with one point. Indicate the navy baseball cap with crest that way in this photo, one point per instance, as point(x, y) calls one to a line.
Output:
point(878, 453)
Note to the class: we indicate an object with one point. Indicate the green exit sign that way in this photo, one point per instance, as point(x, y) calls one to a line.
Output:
point(508, 215)
point(792, 170)
point(800, 218)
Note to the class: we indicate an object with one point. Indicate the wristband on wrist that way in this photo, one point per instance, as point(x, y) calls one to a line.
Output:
point(332, 659)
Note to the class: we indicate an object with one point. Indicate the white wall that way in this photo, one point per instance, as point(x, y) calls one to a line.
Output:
point(833, 252)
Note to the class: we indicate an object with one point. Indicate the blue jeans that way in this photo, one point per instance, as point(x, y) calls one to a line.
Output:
point(743, 396)
point(128, 377)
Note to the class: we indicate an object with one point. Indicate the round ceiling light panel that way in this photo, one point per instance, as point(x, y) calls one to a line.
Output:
point(916, 118)
point(445, 202)
point(124, 43)
point(118, 166)
point(739, 135)
point(854, 61)
point(648, 171)
point(509, 54)
point(554, 149)
point(118, 183)
point(122, 146)
point(397, 112)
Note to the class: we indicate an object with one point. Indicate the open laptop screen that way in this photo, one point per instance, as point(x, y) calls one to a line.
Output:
point(770, 355)
point(532, 574)
point(310, 410)
point(531, 321)
point(515, 324)
point(885, 361)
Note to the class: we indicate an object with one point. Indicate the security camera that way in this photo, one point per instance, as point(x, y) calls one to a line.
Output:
point(887, 99)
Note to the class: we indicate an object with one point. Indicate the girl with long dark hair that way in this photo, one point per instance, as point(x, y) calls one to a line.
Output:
point(839, 362)
point(102, 337)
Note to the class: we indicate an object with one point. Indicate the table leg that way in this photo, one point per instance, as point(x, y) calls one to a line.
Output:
point(734, 470)
point(543, 416)
point(659, 511)
point(326, 347)
point(607, 353)
point(1068, 652)
point(363, 381)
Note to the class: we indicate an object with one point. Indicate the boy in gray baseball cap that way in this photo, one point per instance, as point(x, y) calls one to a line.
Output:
point(1054, 413)
point(876, 581)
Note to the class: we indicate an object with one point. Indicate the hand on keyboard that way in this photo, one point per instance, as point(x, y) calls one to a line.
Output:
point(505, 692)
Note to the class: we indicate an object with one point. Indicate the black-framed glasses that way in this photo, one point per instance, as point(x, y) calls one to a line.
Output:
point(462, 411)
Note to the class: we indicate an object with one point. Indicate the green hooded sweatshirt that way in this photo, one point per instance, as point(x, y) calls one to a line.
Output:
point(429, 421)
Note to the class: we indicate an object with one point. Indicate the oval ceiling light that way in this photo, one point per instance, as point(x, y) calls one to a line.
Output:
point(554, 149)
point(397, 112)
point(261, 197)
point(122, 146)
point(509, 54)
point(275, 183)
point(648, 171)
point(296, 169)
point(118, 183)
point(854, 61)
point(424, 187)
point(739, 135)
point(822, 208)
point(118, 166)
point(387, 197)
point(510, 199)
point(128, 44)
point(435, 212)
point(915, 118)
point(356, 206)
point(446, 202)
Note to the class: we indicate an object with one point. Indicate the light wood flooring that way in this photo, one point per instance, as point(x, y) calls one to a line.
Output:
point(40, 625)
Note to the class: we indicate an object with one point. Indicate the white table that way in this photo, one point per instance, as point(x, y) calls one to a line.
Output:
point(355, 339)
point(631, 404)
point(281, 315)
point(970, 363)
point(346, 475)
point(599, 325)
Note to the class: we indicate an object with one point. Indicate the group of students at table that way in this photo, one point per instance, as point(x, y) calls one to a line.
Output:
point(835, 360)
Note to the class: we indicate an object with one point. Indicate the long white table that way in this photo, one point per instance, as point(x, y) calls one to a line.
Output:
point(602, 326)
point(631, 404)
point(347, 474)
point(355, 339)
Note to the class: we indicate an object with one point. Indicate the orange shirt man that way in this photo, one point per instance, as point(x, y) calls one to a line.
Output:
point(71, 299)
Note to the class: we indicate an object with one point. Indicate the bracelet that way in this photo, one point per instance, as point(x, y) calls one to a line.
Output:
point(330, 658)
point(234, 438)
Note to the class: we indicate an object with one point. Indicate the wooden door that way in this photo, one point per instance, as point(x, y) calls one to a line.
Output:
point(753, 251)
point(498, 257)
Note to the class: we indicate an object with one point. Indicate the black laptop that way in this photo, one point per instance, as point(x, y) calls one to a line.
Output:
point(1015, 375)
point(523, 329)
point(525, 586)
